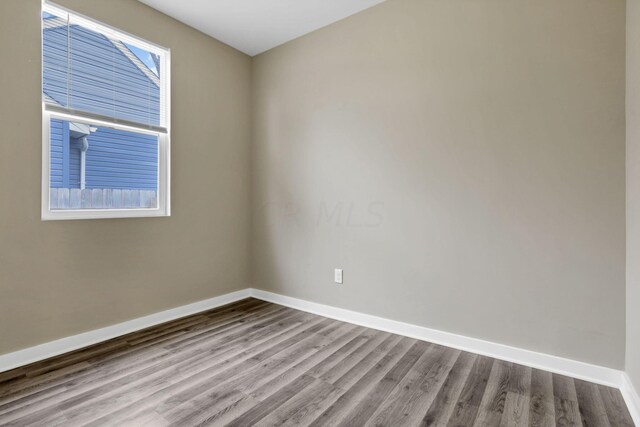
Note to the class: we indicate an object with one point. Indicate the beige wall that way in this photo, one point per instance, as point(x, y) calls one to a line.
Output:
point(633, 191)
point(463, 161)
point(61, 278)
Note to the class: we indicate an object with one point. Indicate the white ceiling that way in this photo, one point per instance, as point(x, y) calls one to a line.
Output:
point(254, 26)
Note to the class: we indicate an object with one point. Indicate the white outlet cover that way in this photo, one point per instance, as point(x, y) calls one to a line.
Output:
point(337, 276)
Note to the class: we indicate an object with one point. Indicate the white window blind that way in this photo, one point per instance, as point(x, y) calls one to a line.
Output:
point(87, 70)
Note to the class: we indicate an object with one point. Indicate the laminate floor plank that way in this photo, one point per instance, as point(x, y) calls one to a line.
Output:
point(129, 358)
point(199, 409)
point(590, 405)
point(304, 406)
point(541, 404)
point(269, 405)
point(367, 379)
point(466, 409)
point(200, 378)
point(566, 402)
point(495, 396)
point(329, 361)
point(143, 370)
point(144, 374)
point(411, 398)
point(355, 373)
point(517, 404)
point(339, 345)
point(256, 363)
point(442, 407)
point(354, 357)
point(365, 408)
point(617, 411)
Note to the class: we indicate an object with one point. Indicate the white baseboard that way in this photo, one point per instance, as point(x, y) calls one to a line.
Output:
point(575, 369)
point(559, 365)
point(593, 373)
point(631, 397)
point(55, 348)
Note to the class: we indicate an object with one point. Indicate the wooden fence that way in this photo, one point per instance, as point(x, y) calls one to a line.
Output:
point(72, 198)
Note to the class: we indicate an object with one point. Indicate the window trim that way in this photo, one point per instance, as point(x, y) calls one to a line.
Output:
point(163, 133)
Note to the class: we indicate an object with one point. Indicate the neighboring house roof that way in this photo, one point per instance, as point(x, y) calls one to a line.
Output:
point(55, 22)
point(133, 58)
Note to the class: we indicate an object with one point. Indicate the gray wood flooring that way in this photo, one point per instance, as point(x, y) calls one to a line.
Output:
point(256, 363)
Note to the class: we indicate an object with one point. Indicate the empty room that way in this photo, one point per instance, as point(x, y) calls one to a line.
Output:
point(320, 213)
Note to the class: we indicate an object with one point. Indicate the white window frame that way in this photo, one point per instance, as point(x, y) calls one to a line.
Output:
point(163, 208)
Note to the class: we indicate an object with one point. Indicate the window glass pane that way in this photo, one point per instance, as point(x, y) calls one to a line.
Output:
point(86, 70)
point(94, 167)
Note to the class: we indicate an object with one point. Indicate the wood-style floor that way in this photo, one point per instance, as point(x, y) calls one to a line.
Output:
point(256, 363)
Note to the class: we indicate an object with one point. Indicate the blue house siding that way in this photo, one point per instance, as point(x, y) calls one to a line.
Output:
point(115, 159)
point(85, 70)
point(56, 154)
point(54, 64)
point(119, 159)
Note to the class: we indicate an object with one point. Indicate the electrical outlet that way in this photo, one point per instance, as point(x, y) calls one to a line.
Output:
point(337, 275)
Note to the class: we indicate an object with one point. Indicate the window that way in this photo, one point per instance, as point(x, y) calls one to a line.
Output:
point(105, 98)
